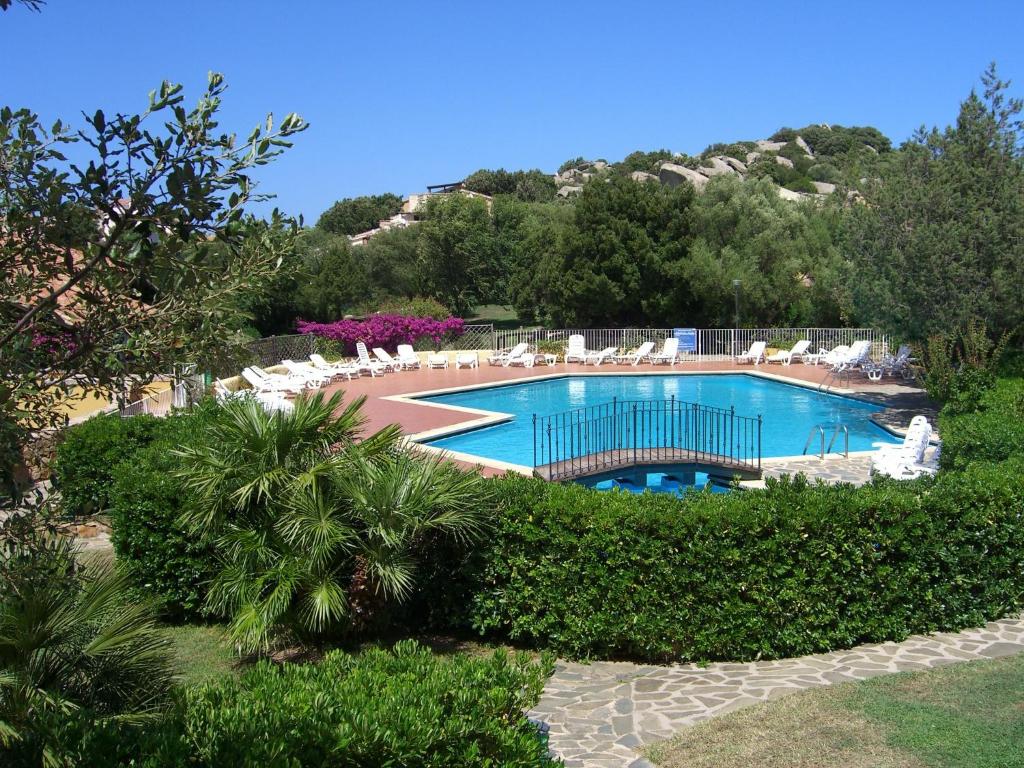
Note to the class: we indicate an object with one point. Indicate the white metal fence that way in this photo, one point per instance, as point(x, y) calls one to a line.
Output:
point(708, 343)
point(180, 394)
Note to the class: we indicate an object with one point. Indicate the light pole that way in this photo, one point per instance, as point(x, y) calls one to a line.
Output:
point(736, 289)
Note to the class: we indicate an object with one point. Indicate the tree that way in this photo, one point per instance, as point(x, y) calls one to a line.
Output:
point(390, 261)
point(75, 652)
point(605, 268)
point(335, 281)
point(316, 529)
point(156, 277)
point(352, 215)
point(941, 239)
point(529, 186)
point(456, 253)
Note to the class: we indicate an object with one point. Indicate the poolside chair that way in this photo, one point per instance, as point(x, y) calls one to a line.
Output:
point(314, 379)
point(339, 368)
point(669, 352)
point(386, 360)
point(643, 352)
point(827, 356)
point(596, 358)
point(786, 356)
point(902, 469)
point(857, 355)
point(437, 360)
point(891, 365)
point(526, 359)
point(576, 350)
point(261, 381)
point(889, 457)
point(753, 355)
point(364, 363)
point(467, 360)
point(408, 357)
point(501, 358)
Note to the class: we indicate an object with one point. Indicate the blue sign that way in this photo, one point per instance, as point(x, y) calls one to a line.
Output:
point(687, 339)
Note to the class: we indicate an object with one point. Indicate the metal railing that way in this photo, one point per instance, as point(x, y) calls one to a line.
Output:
point(818, 430)
point(709, 344)
point(621, 433)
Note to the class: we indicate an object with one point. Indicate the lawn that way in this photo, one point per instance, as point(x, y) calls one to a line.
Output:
point(502, 317)
point(969, 714)
point(201, 653)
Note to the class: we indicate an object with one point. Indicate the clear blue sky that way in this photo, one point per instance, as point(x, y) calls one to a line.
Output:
point(400, 95)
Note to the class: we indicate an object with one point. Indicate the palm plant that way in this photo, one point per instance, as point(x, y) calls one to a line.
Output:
point(74, 649)
point(314, 526)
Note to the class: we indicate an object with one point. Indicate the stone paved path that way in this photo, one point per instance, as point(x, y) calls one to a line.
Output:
point(600, 713)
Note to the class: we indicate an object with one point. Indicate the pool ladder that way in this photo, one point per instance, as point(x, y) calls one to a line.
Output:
point(819, 430)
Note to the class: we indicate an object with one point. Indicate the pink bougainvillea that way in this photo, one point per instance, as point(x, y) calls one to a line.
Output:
point(386, 331)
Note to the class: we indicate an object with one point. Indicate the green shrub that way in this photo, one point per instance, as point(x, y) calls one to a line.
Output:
point(90, 452)
point(802, 184)
point(146, 501)
point(403, 707)
point(994, 433)
point(794, 569)
point(162, 560)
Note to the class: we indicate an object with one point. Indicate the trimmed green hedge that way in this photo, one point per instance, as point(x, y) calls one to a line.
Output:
point(791, 570)
point(86, 459)
point(404, 707)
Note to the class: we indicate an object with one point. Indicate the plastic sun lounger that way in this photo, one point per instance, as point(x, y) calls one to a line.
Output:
point(467, 360)
point(643, 352)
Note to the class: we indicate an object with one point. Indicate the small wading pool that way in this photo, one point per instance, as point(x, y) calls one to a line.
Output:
point(676, 481)
point(789, 411)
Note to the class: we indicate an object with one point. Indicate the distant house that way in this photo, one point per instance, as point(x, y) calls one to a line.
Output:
point(412, 207)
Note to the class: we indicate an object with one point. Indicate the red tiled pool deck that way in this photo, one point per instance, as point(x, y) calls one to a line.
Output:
point(416, 418)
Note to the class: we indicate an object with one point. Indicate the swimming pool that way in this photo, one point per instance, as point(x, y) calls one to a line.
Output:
point(789, 411)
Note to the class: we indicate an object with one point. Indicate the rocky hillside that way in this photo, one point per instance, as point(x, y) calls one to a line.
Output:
point(812, 161)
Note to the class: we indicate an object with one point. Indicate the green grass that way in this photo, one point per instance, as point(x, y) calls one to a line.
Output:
point(500, 316)
point(201, 653)
point(969, 714)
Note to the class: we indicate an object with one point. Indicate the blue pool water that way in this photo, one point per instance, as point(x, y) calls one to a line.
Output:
point(789, 411)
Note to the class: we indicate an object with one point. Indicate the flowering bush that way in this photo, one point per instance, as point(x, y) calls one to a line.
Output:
point(386, 331)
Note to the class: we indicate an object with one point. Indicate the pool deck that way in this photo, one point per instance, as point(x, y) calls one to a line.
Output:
point(388, 401)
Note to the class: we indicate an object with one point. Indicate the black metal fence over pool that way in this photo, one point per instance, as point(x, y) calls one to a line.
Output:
point(623, 433)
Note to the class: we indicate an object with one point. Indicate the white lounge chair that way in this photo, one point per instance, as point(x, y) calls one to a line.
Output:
point(903, 469)
point(596, 358)
point(408, 357)
point(643, 352)
point(386, 360)
point(858, 355)
point(502, 358)
point(364, 363)
point(786, 356)
point(669, 352)
point(889, 456)
point(526, 359)
point(340, 368)
point(261, 381)
point(437, 360)
point(753, 355)
point(891, 365)
point(313, 378)
point(576, 350)
point(467, 360)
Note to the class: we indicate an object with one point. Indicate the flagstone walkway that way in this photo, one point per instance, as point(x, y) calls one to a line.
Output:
point(600, 713)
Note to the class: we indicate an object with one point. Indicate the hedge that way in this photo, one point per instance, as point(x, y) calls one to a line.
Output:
point(164, 563)
point(404, 707)
point(994, 433)
point(89, 454)
point(794, 569)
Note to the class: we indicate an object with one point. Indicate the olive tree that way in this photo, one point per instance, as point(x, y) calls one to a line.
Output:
point(129, 257)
